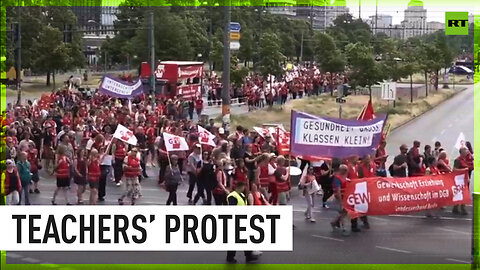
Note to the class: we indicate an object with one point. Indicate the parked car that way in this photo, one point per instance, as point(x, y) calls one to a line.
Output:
point(461, 70)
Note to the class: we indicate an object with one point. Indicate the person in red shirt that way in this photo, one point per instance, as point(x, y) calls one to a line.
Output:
point(32, 157)
point(255, 197)
point(94, 173)
point(67, 119)
point(199, 106)
point(151, 136)
point(366, 169)
point(352, 163)
point(415, 160)
point(240, 174)
point(443, 164)
point(462, 163)
point(381, 158)
point(62, 170)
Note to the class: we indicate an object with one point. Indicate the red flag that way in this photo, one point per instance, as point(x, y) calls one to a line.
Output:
point(367, 112)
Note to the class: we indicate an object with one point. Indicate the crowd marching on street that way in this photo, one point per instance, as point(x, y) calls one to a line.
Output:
point(72, 138)
point(258, 92)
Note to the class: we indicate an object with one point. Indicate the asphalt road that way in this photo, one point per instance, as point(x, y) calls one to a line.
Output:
point(391, 239)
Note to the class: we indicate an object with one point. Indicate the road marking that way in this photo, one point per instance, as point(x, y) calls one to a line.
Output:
point(30, 260)
point(442, 218)
point(454, 231)
point(328, 238)
point(12, 255)
point(434, 139)
point(460, 261)
point(443, 131)
point(381, 219)
point(394, 249)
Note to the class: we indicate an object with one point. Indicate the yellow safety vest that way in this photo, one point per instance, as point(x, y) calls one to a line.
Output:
point(2, 183)
point(236, 195)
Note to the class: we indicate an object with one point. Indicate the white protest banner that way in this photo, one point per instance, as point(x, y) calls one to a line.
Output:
point(331, 137)
point(205, 137)
point(124, 134)
point(460, 141)
point(174, 143)
point(114, 87)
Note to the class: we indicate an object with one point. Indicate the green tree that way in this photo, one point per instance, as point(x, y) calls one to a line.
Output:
point(53, 54)
point(328, 57)
point(247, 46)
point(430, 59)
point(409, 53)
point(272, 58)
point(364, 71)
point(37, 23)
point(346, 30)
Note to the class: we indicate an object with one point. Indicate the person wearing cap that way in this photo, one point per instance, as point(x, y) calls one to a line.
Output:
point(131, 171)
point(194, 163)
point(13, 184)
point(221, 133)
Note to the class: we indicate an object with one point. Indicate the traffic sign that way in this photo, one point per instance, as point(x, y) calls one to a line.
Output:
point(389, 90)
point(235, 45)
point(340, 100)
point(235, 27)
point(234, 36)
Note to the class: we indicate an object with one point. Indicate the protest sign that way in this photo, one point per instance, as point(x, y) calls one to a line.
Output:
point(124, 134)
point(331, 137)
point(114, 87)
point(387, 196)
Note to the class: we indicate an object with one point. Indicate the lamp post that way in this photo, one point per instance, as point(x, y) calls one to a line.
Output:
point(226, 67)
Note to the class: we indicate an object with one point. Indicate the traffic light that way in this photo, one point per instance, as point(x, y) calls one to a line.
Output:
point(67, 33)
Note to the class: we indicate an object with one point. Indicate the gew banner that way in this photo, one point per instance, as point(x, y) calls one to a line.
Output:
point(330, 137)
point(387, 196)
point(114, 87)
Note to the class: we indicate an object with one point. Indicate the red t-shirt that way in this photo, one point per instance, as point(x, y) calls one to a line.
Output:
point(198, 104)
point(352, 171)
point(150, 135)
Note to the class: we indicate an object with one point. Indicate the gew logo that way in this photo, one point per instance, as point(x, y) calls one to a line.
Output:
point(456, 23)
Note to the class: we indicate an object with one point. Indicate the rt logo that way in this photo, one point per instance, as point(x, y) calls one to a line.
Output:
point(456, 23)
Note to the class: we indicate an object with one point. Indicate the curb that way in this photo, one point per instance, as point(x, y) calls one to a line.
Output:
point(410, 120)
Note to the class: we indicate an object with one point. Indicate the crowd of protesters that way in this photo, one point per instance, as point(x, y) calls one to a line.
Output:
point(72, 138)
point(258, 92)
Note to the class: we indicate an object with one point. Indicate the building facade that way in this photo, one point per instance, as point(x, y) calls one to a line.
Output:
point(380, 24)
point(415, 20)
point(321, 13)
